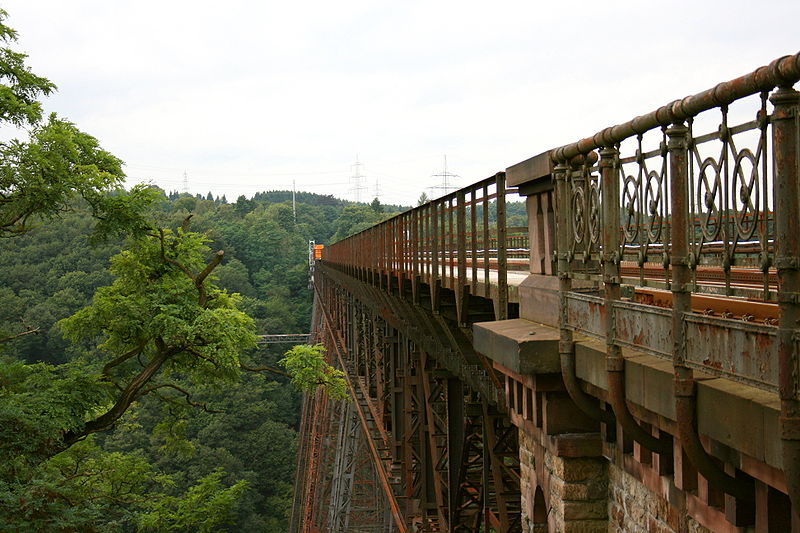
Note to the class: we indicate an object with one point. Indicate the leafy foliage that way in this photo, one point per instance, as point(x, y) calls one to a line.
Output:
point(81, 489)
point(161, 311)
point(20, 88)
point(204, 507)
point(309, 370)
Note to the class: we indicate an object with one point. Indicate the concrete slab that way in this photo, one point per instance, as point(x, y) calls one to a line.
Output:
point(535, 169)
point(539, 299)
point(590, 361)
point(732, 413)
point(735, 414)
point(520, 345)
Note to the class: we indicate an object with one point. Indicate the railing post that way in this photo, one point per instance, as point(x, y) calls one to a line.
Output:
point(566, 343)
point(502, 259)
point(786, 145)
point(610, 258)
point(415, 249)
point(685, 387)
point(679, 238)
point(402, 237)
point(451, 244)
point(486, 242)
point(462, 288)
point(473, 212)
point(435, 251)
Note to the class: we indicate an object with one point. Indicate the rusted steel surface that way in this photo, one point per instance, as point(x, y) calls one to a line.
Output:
point(786, 141)
point(644, 328)
point(730, 348)
point(432, 244)
point(584, 313)
point(435, 465)
point(367, 422)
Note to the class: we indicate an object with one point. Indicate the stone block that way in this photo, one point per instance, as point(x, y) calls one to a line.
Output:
point(533, 172)
point(578, 469)
point(520, 345)
point(730, 412)
point(579, 445)
point(658, 386)
point(634, 379)
point(539, 300)
point(561, 415)
point(590, 361)
point(585, 526)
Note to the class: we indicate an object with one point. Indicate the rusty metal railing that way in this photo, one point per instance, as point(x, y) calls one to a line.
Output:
point(691, 200)
point(459, 241)
point(682, 199)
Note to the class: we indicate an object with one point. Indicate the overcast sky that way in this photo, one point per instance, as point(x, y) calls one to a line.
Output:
point(246, 96)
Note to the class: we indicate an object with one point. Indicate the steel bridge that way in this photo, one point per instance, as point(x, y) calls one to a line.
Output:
point(626, 362)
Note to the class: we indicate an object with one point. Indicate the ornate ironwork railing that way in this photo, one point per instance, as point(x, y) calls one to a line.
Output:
point(725, 205)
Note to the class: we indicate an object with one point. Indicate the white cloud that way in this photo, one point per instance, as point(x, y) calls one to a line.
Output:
point(249, 95)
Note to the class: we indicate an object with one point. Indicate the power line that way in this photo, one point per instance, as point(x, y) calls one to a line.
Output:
point(377, 189)
point(356, 180)
point(446, 176)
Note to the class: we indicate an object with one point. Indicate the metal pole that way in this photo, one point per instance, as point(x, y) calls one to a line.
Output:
point(786, 145)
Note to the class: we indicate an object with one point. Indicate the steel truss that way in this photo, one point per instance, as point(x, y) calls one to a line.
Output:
point(418, 448)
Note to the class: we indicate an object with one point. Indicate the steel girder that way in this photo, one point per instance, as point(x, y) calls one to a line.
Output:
point(442, 454)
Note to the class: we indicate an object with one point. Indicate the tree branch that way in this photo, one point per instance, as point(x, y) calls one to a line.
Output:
point(122, 358)
point(264, 369)
point(186, 221)
point(201, 356)
point(187, 395)
point(83, 474)
point(18, 335)
point(211, 266)
point(126, 398)
point(172, 261)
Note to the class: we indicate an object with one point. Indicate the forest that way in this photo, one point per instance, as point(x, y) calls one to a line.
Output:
point(228, 445)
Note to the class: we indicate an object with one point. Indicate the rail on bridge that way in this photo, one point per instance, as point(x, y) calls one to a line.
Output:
point(628, 361)
point(284, 338)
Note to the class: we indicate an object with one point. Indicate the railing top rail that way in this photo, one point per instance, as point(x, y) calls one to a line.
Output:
point(783, 71)
point(442, 199)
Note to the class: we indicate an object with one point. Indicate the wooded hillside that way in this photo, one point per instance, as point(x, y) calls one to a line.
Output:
point(235, 441)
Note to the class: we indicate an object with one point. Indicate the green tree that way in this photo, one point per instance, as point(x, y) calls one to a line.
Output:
point(163, 310)
point(234, 277)
point(203, 508)
point(353, 219)
point(40, 177)
point(309, 370)
point(21, 88)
